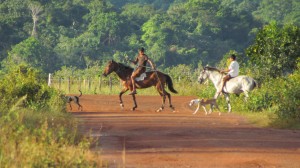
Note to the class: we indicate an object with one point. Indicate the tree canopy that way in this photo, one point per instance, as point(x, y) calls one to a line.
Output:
point(74, 33)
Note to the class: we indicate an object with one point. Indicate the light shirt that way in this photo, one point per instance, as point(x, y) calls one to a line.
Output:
point(234, 69)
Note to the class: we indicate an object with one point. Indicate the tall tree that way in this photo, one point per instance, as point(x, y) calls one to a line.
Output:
point(35, 9)
point(14, 16)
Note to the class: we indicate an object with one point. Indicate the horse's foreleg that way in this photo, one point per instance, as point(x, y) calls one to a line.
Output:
point(134, 101)
point(228, 102)
point(163, 96)
point(120, 97)
point(217, 94)
point(246, 96)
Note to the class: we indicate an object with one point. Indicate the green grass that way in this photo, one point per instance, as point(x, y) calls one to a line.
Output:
point(32, 138)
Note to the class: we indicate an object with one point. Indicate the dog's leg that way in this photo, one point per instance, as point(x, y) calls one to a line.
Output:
point(70, 105)
point(217, 107)
point(197, 108)
point(211, 108)
point(204, 109)
point(76, 101)
point(79, 107)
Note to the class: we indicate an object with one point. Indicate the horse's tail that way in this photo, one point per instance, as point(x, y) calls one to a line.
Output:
point(170, 83)
point(255, 84)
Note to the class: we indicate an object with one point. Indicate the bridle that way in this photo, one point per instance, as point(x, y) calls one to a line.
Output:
point(202, 73)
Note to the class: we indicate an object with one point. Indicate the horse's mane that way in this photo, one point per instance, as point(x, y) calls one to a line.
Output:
point(124, 66)
point(211, 69)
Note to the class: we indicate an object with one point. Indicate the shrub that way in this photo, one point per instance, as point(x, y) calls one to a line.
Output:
point(34, 127)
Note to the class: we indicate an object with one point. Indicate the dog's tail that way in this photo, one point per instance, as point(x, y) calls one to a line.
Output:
point(80, 93)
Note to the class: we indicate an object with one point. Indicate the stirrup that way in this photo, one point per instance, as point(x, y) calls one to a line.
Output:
point(133, 92)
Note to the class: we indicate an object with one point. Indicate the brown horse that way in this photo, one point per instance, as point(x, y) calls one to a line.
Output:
point(153, 78)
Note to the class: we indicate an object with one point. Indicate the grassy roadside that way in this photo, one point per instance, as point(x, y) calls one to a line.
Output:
point(35, 129)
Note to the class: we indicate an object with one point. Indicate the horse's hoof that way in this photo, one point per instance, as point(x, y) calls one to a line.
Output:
point(173, 109)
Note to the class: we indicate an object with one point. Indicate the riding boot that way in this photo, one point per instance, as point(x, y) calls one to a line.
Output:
point(133, 92)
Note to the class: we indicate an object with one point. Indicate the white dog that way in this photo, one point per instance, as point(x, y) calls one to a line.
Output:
point(203, 103)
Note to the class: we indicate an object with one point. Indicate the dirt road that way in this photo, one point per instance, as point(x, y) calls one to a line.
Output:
point(147, 139)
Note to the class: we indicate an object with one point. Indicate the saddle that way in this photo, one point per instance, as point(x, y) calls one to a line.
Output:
point(141, 77)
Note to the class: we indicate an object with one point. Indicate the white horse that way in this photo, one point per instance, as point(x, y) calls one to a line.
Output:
point(235, 85)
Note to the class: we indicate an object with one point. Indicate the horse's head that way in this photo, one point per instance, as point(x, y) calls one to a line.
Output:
point(203, 76)
point(110, 67)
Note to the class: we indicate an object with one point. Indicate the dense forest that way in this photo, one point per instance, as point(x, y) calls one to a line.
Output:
point(79, 33)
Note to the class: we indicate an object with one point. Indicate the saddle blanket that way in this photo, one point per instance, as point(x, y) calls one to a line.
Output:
point(141, 77)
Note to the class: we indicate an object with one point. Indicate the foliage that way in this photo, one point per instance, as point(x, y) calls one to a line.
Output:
point(278, 95)
point(285, 12)
point(33, 53)
point(69, 33)
point(35, 129)
point(275, 51)
point(289, 98)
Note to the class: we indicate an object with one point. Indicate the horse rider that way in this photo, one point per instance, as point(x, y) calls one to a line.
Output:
point(232, 71)
point(140, 62)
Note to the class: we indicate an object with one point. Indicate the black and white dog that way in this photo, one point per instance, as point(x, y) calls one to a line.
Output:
point(75, 99)
point(203, 103)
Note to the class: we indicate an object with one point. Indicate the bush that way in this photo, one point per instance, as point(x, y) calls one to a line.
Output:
point(35, 129)
point(289, 97)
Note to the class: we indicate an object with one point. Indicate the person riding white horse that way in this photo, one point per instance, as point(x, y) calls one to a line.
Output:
point(237, 85)
point(232, 71)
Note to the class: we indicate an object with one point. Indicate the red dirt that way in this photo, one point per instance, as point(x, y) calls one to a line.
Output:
point(147, 139)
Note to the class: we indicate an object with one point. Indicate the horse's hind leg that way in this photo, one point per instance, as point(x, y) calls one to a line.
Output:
point(170, 102)
point(162, 93)
point(134, 101)
point(228, 102)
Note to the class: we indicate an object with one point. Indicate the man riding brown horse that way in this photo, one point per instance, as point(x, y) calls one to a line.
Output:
point(156, 79)
point(140, 62)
